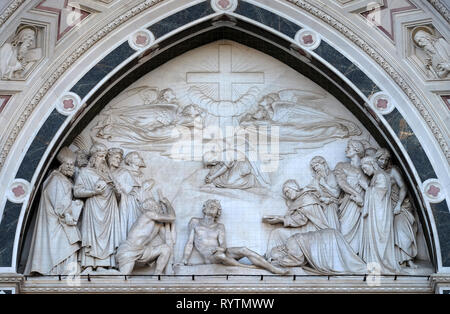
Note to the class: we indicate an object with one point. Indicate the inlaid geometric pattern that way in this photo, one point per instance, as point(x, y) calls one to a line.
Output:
point(69, 14)
point(383, 16)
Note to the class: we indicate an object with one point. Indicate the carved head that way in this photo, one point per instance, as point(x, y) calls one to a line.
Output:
point(423, 38)
point(261, 114)
point(82, 158)
point(211, 158)
point(383, 156)
point(268, 100)
point(319, 166)
point(291, 189)
point(354, 147)
point(67, 159)
point(212, 208)
point(151, 205)
point(191, 111)
point(369, 165)
point(134, 159)
point(115, 157)
point(98, 156)
point(25, 37)
point(167, 96)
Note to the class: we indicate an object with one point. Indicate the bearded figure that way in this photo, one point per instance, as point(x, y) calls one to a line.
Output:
point(100, 226)
point(56, 237)
point(15, 57)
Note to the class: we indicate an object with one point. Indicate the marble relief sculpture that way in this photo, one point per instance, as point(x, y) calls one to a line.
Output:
point(148, 239)
point(100, 225)
point(331, 202)
point(437, 51)
point(377, 240)
point(232, 174)
point(324, 251)
point(324, 181)
point(305, 213)
point(207, 236)
point(17, 56)
point(352, 181)
point(56, 237)
point(405, 226)
point(133, 190)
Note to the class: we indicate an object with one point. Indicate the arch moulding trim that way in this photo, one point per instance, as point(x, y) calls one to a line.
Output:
point(64, 67)
point(310, 8)
point(10, 10)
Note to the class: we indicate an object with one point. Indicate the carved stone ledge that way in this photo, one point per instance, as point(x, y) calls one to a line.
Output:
point(440, 282)
point(311, 284)
point(11, 277)
point(11, 282)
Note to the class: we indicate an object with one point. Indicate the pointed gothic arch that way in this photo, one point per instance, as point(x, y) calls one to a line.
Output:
point(272, 32)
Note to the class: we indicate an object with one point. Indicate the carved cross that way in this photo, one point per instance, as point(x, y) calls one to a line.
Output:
point(225, 77)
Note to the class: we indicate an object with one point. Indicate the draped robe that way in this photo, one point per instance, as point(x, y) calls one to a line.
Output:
point(129, 185)
point(349, 210)
point(304, 214)
point(325, 251)
point(377, 243)
point(52, 251)
point(100, 226)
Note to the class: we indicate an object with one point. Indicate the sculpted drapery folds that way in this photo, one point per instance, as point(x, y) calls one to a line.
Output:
point(100, 226)
point(324, 251)
point(437, 51)
point(56, 239)
point(352, 181)
point(305, 213)
point(124, 229)
point(147, 240)
point(141, 230)
point(377, 242)
point(324, 181)
point(133, 189)
point(405, 226)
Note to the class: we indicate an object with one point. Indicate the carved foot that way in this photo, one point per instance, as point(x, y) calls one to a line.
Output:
point(411, 265)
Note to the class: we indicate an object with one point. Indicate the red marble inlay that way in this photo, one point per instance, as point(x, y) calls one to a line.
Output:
point(308, 39)
point(434, 190)
point(224, 4)
point(141, 40)
point(63, 9)
point(446, 99)
point(68, 104)
point(383, 16)
point(382, 103)
point(18, 191)
point(3, 101)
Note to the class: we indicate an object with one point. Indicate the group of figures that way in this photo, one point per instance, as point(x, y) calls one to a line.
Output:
point(347, 220)
point(101, 221)
point(107, 220)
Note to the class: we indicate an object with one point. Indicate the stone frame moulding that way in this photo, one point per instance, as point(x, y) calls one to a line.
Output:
point(396, 122)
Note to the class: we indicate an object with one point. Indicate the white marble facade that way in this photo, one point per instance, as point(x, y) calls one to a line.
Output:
point(154, 159)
